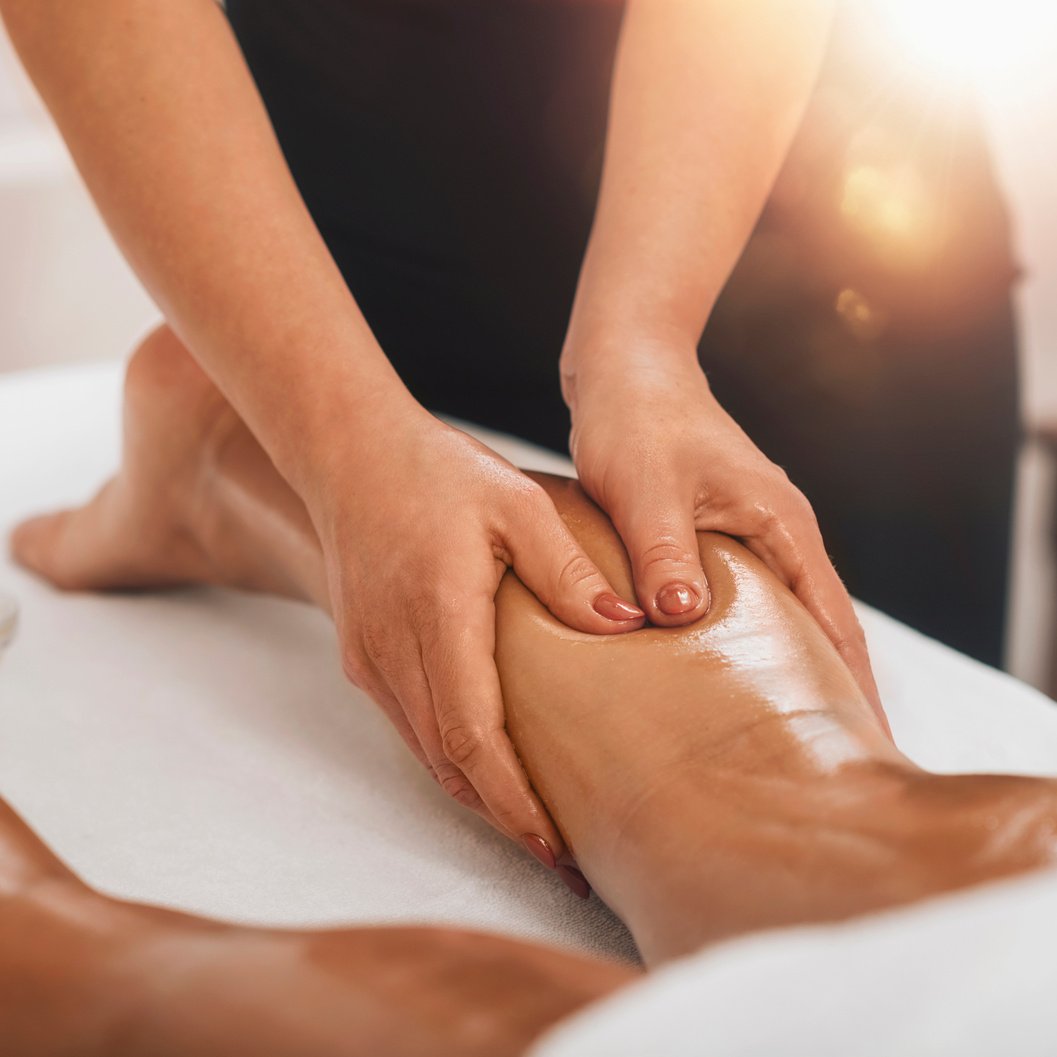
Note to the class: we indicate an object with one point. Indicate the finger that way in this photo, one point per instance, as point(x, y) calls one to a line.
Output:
point(575, 881)
point(389, 704)
point(557, 570)
point(411, 688)
point(361, 671)
point(425, 747)
point(799, 557)
point(661, 540)
point(459, 664)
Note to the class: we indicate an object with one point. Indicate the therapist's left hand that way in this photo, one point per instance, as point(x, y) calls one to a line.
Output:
point(655, 450)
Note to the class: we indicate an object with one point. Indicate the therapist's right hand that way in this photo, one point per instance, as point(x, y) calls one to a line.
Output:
point(416, 540)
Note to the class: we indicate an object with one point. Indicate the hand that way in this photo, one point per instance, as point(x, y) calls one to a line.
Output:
point(418, 526)
point(655, 450)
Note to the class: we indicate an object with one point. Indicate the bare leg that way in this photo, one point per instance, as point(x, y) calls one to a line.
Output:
point(87, 975)
point(167, 517)
point(711, 779)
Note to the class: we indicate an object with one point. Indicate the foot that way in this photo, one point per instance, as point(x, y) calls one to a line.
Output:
point(143, 529)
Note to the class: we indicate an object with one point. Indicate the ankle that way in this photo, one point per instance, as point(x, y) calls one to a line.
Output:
point(713, 854)
point(207, 508)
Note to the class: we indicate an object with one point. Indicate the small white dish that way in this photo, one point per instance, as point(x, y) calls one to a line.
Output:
point(8, 619)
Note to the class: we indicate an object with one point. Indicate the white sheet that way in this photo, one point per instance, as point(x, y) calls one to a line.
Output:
point(970, 975)
point(201, 750)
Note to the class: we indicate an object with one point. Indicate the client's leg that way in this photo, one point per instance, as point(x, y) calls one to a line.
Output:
point(81, 974)
point(711, 779)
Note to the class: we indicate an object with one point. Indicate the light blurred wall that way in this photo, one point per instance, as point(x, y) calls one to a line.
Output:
point(66, 294)
point(1021, 115)
point(1020, 108)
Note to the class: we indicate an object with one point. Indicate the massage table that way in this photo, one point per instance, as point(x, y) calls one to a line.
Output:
point(200, 749)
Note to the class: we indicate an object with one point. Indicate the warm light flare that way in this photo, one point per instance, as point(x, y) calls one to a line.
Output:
point(860, 317)
point(889, 205)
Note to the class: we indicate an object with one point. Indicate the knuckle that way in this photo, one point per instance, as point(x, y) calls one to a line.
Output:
point(461, 743)
point(774, 474)
point(459, 789)
point(507, 818)
point(845, 644)
point(355, 667)
point(528, 500)
point(531, 493)
point(375, 640)
point(768, 520)
point(431, 617)
point(801, 507)
point(576, 571)
point(665, 552)
point(850, 640)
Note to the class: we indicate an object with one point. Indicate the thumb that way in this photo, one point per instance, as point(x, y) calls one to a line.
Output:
point(666, 563)
point(557, 570)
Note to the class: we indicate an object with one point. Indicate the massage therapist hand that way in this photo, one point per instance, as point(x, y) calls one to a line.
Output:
point(416, 541)
point(655, 450)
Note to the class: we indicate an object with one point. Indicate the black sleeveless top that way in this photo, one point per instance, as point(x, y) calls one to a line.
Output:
point(450, 152)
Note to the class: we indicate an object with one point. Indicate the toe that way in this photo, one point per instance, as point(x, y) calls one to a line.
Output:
point(35, 545)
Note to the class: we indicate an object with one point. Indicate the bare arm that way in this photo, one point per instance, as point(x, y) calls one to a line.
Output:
point(163, 119)
point(707, 95)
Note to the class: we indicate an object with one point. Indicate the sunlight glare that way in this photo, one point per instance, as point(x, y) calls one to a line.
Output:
point(971, 39)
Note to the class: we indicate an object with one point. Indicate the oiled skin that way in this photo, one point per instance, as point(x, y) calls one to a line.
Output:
point(730, 775)
point(753, 658)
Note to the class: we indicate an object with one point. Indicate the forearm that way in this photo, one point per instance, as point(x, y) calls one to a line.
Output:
point(706, 97)
point(165, 124)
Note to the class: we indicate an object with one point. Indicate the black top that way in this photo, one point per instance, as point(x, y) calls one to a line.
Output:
point(450, 152)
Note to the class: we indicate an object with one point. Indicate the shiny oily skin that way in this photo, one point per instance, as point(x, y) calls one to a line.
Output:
point(729, 774)
point(755, 670)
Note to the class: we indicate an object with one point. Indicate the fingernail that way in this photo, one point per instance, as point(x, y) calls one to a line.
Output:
point(575, 881)
point(676, 599)
point(540, 849)
point(613, 608)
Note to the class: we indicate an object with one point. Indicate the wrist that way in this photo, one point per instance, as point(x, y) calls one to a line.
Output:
point(338, 432)
point(625, 362)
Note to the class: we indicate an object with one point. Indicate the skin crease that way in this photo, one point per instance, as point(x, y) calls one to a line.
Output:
point(712, 779)
point(211, 220)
